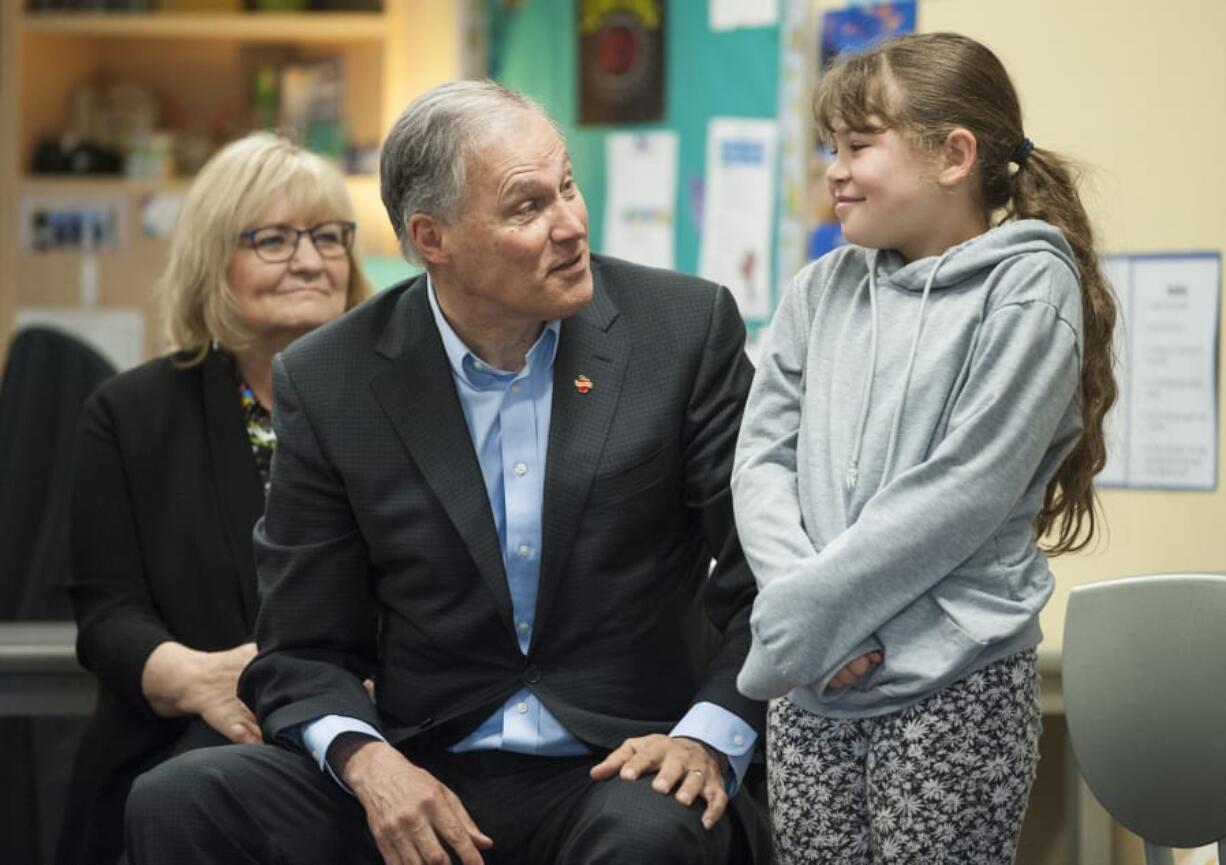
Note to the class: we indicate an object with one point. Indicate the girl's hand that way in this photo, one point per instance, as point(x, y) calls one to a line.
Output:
point(855, 670)
point(181, 681)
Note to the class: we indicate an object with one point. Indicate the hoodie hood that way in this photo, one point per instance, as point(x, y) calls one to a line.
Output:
point(969, 258)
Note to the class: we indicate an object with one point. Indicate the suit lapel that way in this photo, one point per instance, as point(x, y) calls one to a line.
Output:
point(418, 395)
point(589, 345)
point(237, 480)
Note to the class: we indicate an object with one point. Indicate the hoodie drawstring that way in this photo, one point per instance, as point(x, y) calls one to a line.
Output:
point(906, 382)
point(866, 395)
point(896, 426)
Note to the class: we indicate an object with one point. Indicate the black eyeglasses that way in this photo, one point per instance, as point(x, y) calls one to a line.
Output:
point(278, 243)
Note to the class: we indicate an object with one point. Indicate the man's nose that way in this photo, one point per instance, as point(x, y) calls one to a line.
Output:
point(570, 223)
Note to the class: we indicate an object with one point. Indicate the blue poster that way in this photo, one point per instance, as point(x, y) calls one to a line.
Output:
point(858, 27)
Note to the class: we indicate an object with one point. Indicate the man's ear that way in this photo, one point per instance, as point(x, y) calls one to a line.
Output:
point(958, 155)
point(427, 233)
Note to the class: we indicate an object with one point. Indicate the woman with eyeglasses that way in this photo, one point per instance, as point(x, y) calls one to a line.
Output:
point(172, 468)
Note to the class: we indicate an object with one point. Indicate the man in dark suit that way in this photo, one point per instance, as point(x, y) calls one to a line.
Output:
point(498, 487)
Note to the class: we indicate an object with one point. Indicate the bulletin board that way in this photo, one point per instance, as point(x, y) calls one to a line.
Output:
point(730, 73)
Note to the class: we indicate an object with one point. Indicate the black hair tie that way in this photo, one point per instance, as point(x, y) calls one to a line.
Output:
point(1022, 152)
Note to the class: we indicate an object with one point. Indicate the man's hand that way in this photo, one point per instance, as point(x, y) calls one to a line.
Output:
point(698, 769)
point(856, 668)
point(410, 813)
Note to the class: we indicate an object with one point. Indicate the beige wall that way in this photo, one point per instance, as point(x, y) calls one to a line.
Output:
point(1135, 90)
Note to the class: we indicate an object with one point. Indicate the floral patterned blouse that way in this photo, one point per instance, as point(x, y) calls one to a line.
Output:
point(259, 432)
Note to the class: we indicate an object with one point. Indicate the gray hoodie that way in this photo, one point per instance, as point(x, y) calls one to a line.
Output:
point(900, 433)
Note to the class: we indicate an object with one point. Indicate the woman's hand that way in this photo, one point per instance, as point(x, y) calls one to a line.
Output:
point(854, 670)
point(181, 681)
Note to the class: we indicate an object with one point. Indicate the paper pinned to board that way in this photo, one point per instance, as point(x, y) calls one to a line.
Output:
point(733, 14)
point(1163, 433)
point(116, 334)
point(739, 210)
point(641, 195)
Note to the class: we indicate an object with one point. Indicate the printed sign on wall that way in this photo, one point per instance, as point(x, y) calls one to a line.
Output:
point(738, 209)
point(1163, 433)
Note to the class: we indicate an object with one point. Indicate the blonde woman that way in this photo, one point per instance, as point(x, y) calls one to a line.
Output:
point(172, 465)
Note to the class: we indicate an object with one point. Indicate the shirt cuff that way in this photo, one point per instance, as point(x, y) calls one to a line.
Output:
point(724, 731)
point(317, 737)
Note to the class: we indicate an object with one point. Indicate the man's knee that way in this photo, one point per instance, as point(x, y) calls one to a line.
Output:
point(167, 790)
point(634, 823)
point(179, 804)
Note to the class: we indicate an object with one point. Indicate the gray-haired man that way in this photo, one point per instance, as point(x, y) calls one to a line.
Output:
point(497, 490)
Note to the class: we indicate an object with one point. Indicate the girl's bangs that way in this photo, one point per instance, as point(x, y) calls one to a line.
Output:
point(854, 91)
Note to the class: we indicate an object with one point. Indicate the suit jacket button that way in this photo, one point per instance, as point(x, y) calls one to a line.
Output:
point(426, 723)
point(532, 674)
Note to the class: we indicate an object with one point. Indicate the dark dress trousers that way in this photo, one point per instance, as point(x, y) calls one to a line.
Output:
point(378, 554)
point(165, 494)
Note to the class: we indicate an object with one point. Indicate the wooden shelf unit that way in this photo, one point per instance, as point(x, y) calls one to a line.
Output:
point(241, 26)
point(194, 62)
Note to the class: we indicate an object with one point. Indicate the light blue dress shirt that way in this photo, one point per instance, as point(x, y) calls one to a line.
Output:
point(508, 416)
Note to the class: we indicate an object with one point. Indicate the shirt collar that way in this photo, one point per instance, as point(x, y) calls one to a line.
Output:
point(467, 366)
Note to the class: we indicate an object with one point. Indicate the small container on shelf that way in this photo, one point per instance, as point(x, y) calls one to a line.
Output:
point(277, 5)
point(212, 6)
point(89, 5)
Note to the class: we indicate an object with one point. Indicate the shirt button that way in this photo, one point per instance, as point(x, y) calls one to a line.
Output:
point(524, 627)
point(515, 388)
point(520, 470)
point(738, 739)
point(524, 551)
point(522, 708)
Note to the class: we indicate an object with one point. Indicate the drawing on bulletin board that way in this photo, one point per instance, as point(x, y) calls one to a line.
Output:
point(843, 30)
point(621, 61)
point(862, 26)
point(641, 185)
point(739, 203)
point(1163, 431)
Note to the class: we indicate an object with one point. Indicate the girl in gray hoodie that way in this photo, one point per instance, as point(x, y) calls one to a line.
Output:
point(929, 405)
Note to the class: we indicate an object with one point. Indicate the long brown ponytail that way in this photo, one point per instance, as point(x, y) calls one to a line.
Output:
point(1045, 188)
point(926, 85)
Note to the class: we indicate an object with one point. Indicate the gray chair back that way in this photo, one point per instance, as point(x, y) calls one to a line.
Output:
point(1145, 702)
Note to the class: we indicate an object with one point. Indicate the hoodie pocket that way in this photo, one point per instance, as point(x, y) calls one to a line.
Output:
point(924, 649)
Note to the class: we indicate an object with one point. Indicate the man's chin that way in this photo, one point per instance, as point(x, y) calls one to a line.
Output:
point(579, 296)
point(568, 296)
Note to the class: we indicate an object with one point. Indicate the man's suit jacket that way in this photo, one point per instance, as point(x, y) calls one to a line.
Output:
point(378, 552)
point(165, 493)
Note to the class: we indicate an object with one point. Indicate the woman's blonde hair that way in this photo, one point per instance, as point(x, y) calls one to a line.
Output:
point(925, 86)
point(236, 187)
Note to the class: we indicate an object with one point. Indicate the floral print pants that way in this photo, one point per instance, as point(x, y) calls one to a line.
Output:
point(943, 781)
